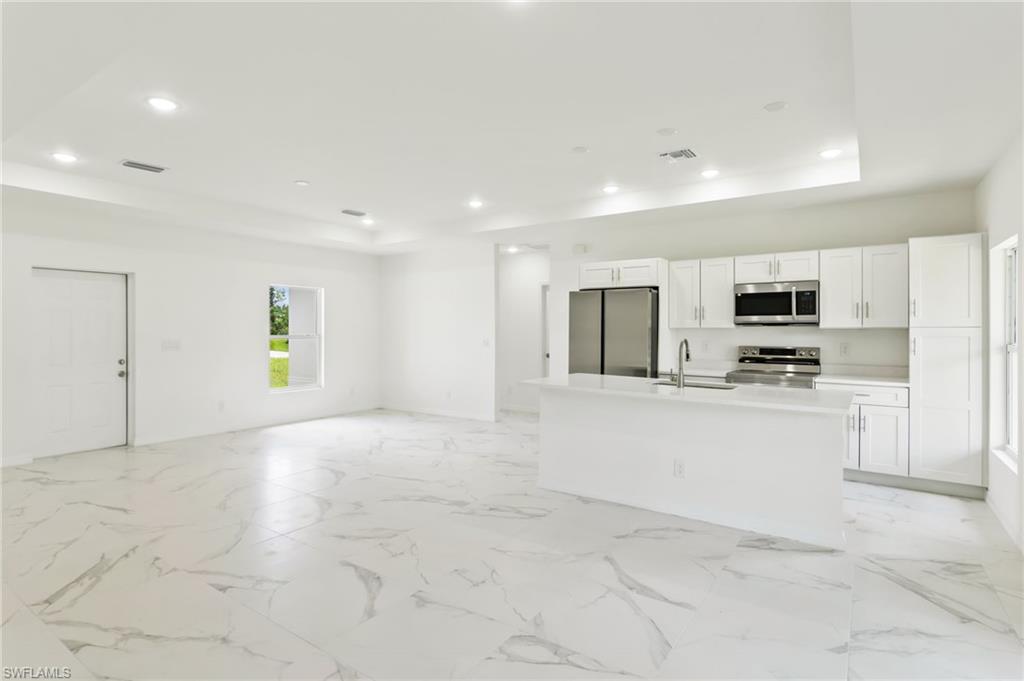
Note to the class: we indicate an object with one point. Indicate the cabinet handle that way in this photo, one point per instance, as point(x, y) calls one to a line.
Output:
point(863, 423)
point(867, 309)
point(778, 267)
point(856, 310)
point(913, 347)
point(702, 314)
point(913, 307)
point(770, 267)
point(694, 313)
point(853, 422)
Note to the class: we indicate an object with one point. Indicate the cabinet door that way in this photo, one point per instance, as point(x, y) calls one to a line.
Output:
point(796, 266)
point(884, 440)
point(945, 281)
point(852, 457)
point(637, 272)
point(886, 296)
point(751, 269)
point(597, 275)
point(684, 294)
point(946, 404)
point(717, 299)
point(841, 288)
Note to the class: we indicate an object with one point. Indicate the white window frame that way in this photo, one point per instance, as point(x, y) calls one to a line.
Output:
point(317, 335)
point(1011, 291)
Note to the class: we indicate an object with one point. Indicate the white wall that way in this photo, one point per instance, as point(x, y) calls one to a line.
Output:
point(438, 332)
point(1001, 213)
point(870, 221)
point(521, 277)
point(206, 292)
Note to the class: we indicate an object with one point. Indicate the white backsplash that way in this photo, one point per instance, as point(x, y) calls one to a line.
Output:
point(876, 352)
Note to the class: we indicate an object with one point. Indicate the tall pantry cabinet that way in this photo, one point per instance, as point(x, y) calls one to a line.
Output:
point(946, 358)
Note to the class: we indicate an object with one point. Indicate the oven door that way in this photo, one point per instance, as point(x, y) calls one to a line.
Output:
point(776, 303)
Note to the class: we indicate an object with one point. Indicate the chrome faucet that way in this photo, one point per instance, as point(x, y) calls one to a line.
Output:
point(684, 355)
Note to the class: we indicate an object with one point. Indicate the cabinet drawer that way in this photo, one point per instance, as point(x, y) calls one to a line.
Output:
point(871, 394)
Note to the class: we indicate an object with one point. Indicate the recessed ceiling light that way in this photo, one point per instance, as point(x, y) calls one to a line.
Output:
point(162, 104)
point(775, 106)
point(580, 150)
point(63, 157)
point(667, 132)
point(512, 249)
point(475, 203)
point(302, 183)
point(367, 221)
point(610, 188)
point(830, 153)
point(709, 173)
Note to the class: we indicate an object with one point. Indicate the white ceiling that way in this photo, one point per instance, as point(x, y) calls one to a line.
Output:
point(408, 110)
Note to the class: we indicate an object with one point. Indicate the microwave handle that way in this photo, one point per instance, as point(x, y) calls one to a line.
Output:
point(792, 292)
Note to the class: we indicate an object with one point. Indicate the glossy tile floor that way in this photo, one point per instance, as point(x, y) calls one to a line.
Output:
point(388, 545)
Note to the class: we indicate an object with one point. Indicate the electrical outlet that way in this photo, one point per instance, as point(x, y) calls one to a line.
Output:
point(844, 349)
point(679, 468)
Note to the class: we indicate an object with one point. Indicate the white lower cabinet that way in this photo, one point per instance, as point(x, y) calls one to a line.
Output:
point(878, 428)
point(884, 439)
point(946, 418)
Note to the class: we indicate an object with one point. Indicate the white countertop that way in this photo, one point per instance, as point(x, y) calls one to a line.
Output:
point(883, 381)
point(786, 399)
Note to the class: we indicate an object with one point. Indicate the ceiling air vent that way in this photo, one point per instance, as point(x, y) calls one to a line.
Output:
point(673, 156)
point(354, 213)
point(143, 166)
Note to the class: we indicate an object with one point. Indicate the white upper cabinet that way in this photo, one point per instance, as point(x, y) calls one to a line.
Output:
point(621, 273)
point(751, 269)
point(795, 266)
point(946, 281)
point(701, 293)
point(946, 419)
point(840, 297)
point(717, 299)
point(684, 294)
point(597, 275)
point(886, 302)
point(864, 287)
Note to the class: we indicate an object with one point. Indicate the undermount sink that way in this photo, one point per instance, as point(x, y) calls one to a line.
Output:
point(688, 384)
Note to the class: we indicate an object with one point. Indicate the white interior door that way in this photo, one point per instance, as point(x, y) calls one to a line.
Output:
point(841, 288)
point(717, 298)
point(81, 397)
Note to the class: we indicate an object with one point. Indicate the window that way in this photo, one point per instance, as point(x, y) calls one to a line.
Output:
point(1011, 287)
point(296, 319)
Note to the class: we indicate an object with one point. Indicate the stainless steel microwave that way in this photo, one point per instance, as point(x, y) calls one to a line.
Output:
point(776, 303)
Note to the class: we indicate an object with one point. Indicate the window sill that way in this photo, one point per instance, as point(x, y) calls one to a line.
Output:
point(295, 389)
point(1008, 457)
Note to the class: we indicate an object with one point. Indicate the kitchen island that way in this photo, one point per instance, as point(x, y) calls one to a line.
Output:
point(757, 458)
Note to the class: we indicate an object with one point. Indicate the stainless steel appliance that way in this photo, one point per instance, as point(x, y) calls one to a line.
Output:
point(776, 303)
point(614, 331)
point(792, 367)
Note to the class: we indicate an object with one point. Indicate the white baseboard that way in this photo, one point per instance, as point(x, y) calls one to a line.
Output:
point(954, 489)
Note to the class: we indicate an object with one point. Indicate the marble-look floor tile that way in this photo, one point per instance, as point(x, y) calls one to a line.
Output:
point(393, 545)
point(916, 618)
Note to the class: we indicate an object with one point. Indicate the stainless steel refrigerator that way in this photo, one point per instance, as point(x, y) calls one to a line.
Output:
point(614, 331)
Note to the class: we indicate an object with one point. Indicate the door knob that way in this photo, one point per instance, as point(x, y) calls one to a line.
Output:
point(122, 373)
point(121, 362)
